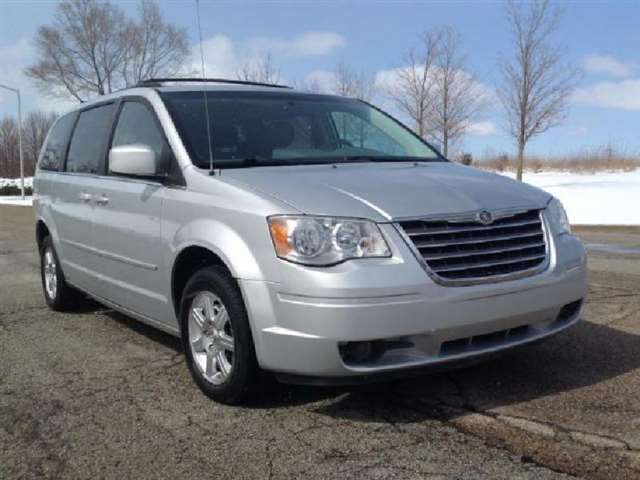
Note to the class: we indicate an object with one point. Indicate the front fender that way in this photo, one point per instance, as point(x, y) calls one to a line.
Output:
point(223, 241)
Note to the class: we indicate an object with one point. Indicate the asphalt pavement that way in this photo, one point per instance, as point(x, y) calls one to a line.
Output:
point(95, 394)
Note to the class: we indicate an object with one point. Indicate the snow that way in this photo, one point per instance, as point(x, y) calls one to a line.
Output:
point(15, 200)
point(603, 198)
point(7, 182)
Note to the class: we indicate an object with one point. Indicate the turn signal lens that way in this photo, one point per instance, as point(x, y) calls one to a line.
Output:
point(280, 235)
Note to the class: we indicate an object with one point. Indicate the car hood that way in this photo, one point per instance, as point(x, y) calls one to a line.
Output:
point(387, 191)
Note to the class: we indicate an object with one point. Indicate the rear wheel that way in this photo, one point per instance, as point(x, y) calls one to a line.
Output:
point(57, 293)
point(217, 338)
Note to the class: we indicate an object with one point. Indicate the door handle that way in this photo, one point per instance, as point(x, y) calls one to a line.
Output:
point(85, 197)
point(102, 200)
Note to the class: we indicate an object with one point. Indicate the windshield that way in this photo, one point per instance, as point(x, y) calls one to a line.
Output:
point(260, 129)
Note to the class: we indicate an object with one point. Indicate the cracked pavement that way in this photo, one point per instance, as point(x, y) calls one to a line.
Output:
point(95, 394)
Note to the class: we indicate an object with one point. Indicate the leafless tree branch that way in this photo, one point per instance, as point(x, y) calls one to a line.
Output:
point(93, 48)
point(262, 70)
point(351, 83)
point(458, 98)
point(536, 85)
point(35, 127)
point(412, 90)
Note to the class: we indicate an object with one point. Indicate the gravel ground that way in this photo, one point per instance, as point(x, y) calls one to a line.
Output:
point(95, 394)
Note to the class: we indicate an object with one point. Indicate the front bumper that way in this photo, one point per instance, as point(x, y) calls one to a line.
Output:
point(299, 325)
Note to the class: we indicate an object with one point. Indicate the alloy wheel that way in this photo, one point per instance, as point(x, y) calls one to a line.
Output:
point(50, 273)
point(211, 337)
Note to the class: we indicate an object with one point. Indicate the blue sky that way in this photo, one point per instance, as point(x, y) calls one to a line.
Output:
point(310, 38)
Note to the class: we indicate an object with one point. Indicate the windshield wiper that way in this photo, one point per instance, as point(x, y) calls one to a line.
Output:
point(387, 158)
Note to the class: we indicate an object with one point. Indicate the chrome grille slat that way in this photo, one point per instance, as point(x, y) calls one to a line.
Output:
point(497, 238)
point(483, 252)
point(460, 250)
point(487, 264)
point(470, 229)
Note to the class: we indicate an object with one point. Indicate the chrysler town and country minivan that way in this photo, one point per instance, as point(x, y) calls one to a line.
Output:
point(308, 235)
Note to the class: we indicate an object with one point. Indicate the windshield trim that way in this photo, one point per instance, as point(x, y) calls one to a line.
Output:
point(223, 164)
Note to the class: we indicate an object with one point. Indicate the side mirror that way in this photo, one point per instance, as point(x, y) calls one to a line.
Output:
point(136, 159)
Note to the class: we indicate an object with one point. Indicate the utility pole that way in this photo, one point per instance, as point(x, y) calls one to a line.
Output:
point(17, 92)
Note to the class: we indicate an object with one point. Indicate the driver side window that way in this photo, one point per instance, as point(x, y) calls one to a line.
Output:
point(137, 125)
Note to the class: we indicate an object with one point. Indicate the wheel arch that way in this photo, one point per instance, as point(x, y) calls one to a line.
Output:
point(42, 231)
point(189, 260)
point(206, 242)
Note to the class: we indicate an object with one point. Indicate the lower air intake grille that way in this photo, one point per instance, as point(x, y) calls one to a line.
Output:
point(466, 251)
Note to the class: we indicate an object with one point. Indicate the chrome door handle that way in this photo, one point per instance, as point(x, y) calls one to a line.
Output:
point(102, 200)
point(85, 197)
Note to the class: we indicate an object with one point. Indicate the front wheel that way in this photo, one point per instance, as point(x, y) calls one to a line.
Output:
point(217, 338)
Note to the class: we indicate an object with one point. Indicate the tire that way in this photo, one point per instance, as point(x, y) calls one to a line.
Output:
point(59, 295)
point(217, 339)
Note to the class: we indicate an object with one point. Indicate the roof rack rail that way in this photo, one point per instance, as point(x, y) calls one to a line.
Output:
point(157, 82)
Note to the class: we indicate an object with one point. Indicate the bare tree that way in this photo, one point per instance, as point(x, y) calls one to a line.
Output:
point(351, 83)
point(457, 96)
point(93, 48)
point(262, 70)
point(156, 47)
point(412, 90)
point(34, 131)
point(9, 165)
point(309, 85)
point(536, 85)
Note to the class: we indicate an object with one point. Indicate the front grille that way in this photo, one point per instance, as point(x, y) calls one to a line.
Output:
point(465, 251)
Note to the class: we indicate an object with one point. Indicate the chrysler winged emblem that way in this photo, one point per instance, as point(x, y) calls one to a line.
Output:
point(484, 217)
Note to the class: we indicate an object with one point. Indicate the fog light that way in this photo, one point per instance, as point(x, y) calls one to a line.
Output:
point(361, 352)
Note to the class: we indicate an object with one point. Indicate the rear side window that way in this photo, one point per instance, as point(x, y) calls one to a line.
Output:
point(137, 125)
point(53, 152)
point(89, 137)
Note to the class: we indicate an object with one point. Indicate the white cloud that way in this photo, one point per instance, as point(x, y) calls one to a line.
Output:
point(306, 44)
point(224, 56)
point(15, 58)
point(385, 80)
point(13, 61)
point(609, 65)
point(321, 80)
point(482, 129)
point(624, 94)
point(221, 58)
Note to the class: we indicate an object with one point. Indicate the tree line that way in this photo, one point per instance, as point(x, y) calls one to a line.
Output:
point(92, 48)
point(34, 131)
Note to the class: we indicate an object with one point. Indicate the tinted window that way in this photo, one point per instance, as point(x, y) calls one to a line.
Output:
point(137, 124)
point(88, 140)
point(253, 129)
point(53, 152)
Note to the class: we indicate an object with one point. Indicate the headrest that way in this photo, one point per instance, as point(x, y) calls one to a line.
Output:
point(280, 134)
point(225, 136)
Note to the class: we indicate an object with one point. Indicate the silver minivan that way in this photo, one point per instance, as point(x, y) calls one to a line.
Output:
point(308, 235)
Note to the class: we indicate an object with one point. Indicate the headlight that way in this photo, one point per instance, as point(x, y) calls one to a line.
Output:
point(323, 241)
point(557, 217)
